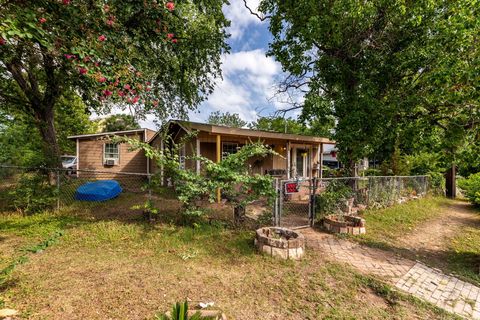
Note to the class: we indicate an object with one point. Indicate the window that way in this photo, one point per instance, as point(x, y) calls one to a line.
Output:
point(112, 151)
point(181, 157)
point(228, 148)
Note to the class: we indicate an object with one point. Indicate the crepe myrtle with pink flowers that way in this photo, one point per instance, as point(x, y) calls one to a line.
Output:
point(154, 56)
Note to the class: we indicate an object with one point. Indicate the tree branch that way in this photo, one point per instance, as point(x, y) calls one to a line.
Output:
point(261, 18)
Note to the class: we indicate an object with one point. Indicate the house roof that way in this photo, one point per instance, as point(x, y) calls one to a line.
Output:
point(107, 133)
point(225, 130)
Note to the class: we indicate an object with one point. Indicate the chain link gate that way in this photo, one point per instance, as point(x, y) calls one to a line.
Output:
point(294, 205)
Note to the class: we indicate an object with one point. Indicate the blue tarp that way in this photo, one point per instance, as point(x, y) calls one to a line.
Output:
point(98, 190)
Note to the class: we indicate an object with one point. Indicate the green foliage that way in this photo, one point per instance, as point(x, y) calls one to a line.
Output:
point(232, 175)
point(21, 140)
point(333, 199)
point(120, 122)
point(136, 55)
point(471, 186)
point(180, 312)
point(302, 126)
point(33, 193)
point(384, 70)
point(226, 119)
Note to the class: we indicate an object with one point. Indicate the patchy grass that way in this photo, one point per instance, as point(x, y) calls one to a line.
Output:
point(385, 226)
point(126, 269)
point(464, 255)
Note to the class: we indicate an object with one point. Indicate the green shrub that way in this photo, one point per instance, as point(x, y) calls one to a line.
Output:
point(180, 312)
point(334, 198)
point(32, 194)
point(371, 172)
point(471, 186)
point(436, 182)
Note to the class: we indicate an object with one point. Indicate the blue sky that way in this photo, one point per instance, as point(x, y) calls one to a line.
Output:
point(249, 76)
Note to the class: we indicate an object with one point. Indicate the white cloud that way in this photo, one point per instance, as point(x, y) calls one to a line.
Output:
point(248, 84)
point(240, 17)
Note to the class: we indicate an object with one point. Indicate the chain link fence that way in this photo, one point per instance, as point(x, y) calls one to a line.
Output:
point(301, 202)
point(30, 190)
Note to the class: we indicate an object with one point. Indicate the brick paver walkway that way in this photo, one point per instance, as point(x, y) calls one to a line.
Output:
point(444, 291)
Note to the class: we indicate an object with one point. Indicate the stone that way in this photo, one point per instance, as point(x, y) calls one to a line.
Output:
point(4, 313)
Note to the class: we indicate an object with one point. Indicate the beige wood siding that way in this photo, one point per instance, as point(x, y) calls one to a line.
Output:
point(91, 156)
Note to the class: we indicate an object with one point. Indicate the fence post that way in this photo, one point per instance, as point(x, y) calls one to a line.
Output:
point(313, 202)
point(58, 189)
point(275, 205)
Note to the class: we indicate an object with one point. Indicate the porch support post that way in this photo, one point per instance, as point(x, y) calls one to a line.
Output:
point(310, 162)
point(219, 158)
point(198, 155)
point(320, 151)
point(288, 160)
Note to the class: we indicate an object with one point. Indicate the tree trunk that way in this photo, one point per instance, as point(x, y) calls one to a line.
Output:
point(46, 126)
point(239, 214)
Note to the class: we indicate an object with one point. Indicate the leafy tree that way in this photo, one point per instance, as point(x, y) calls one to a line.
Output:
point(289, 125)
point(20, 140)
point(278, 124)
point(120, 122)
point(226, 119)
point(380, 66)
point(149, 56)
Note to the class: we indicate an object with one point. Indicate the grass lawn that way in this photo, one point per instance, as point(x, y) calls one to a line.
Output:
point(440, 232)
point(386, 226)
point(105, 268)
point(464, 258)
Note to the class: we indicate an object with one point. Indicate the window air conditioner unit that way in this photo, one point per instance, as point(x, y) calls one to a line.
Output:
point(111, 162)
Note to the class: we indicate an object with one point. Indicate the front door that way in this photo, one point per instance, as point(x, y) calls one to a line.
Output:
point(301, 163)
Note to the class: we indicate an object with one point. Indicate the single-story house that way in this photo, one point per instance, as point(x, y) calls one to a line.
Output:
point(97, 153)
point(299, 156)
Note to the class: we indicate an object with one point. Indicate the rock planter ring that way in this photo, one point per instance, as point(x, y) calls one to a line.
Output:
point(280, 242)
point(349, 224)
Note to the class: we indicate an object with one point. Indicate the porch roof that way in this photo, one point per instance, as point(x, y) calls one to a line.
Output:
point(249, 133)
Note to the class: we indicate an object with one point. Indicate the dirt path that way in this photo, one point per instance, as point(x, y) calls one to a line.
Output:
point(430, 241)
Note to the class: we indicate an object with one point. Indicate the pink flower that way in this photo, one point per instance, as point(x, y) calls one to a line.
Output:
point(42, 20)
point(147, 89)
point(107, 93)
point(102, 79)
point(135, 99)
point(82, 70)
point(121, 93)
point(66, 2)
point(2, 41)
point(110, 22)
point(174, 40)
point(68, 56)
point(170, 35)
point(102, 38)
point(106, 8)
point(170, 6)
point(86, 59)
point(116, 83)
point(155, 103)
point(126, 87)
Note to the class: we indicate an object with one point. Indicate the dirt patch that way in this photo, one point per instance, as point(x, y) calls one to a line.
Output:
point(430, 241)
